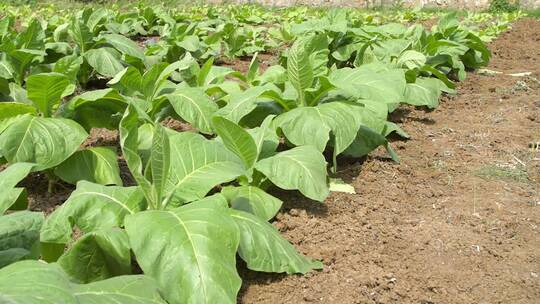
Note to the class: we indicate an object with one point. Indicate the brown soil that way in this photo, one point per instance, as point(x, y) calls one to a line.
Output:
point(430, 229)
point(242, 64)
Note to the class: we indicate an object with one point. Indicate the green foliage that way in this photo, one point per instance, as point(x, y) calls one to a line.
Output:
point(498, 6)
point(327, 94)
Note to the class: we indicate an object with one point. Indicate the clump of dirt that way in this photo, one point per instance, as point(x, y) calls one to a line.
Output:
point(101, 137)
point(432, 229)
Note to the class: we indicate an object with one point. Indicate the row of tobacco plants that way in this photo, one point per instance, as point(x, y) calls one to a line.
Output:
point(199, 198)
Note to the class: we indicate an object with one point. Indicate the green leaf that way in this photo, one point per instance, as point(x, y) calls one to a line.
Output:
point(253, 69)
point(253, 200)
point(205, 69)
point(46, 90)
point(160, 160)
point(19, 236)
point(158, 73)
point(302, 168)
point(9, 178)
point(129, 141)
point(312, 125)
point(106, 61)
point(411, 59)
point(237, 140)
point(81, 34)
point(299, 69)
point(97, 256)
point(96, 109)
point(12, 109)
point(196, 261)
point(195, 107)
point(198, 165)
point(124, 45)
point(381, 85)
point(91, 207)
point(264, 249)
point(366, 141)
point(97, 165)
point(69, 66)
point(50, 284)
point(265, 137)
point(424, 92)
point(44, 141)
point(241, 104)
point(133, 289)
point(127, 81)
point(32, 37)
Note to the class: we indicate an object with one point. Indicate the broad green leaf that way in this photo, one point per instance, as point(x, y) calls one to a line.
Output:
point(198, 165)
point(17, 286)
point(424, 92)
point(253, 200)
point(92, 207)
point(46, 90)
point(299, 69)
point(366, 141)
point(97, 165)
point(17, 93)
point(106, 61)
point(158, 73)
point(387, 86)
point(48, 283)
point(241, 104)
point(19, 236)
point(302, 168)
point(264, 249)
point(96, 18)
point(96, 109)
point(6, 71)
point(195, 107)
point(312, 125)
point(32, 37)
point(21, 59)
point(196, 261)
point(124, 45)
point(132, 289)
point(81, 34)
point(98, 255)
point(9, 178)
point(236, 139)
point(12, 109)
point(69, 66)
point(411, 59)
point(127, 81)
point(44, 141)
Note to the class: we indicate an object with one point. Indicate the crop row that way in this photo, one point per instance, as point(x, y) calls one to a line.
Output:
point(199, 197)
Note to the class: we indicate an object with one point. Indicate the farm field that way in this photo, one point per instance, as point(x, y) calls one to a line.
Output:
point(247, 154)
point(439, 227)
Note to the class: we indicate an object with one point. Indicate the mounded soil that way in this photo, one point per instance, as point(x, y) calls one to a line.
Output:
point(457, 221)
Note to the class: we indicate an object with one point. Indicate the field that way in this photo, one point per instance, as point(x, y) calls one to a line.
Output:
point(243, 154)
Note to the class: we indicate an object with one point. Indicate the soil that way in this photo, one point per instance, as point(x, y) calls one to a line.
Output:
point(242, 64)
point(457, 221)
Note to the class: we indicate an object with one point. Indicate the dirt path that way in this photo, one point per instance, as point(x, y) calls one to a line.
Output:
point(456, 222)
